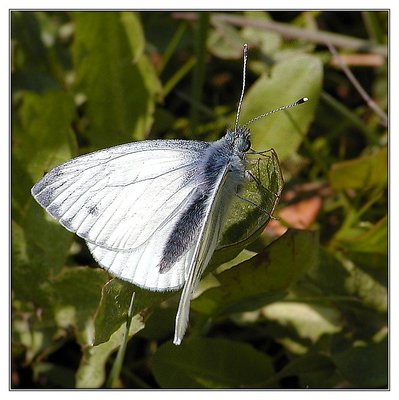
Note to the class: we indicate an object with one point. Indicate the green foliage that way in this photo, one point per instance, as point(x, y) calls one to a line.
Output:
point(305, 308)
point(289, 79)
point(210, 363)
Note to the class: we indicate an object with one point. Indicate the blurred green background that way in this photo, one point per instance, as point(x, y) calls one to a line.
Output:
point(303, 308)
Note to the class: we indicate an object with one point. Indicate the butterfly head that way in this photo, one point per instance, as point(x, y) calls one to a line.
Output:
point(239, 139)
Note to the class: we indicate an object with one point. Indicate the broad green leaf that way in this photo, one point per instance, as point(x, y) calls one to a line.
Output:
point(364, 366)
point(374, 264)
point(32, 69)
point(118, 82)
point(91, 372)
point(54, 375)
point(135, 34)
point(361, 284)
point(264, 278)
point(42, 135)
point(77, 293)
point(299, 76)
point(352, 289)
point(330, 276)
point(42, 138)
point(308, 368)
point(374, 240)
point(114, 305)
point(210, 363)
point(261, 197)
point(309, 321)
point(160, 324)
point(360, 173)
point(245, 220)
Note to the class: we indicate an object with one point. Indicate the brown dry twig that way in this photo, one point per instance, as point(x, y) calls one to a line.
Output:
point(370, 102)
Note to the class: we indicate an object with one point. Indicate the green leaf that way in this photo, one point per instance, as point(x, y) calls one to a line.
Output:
point(76, 296)
point(91, 372)
point(374, 240)
point(330, 276)
point(360, 173)
point(135, 34)
point(365, 366)
point(210, 363)
point(117, 80)
point(54, 375)
point(32, 68)
point(42, 138)
point(363, 285)
point(114, 305)
point(264, 278)
point(309, 368)
point(42, 135)
point(309, 321)
point(299, 76)
point(160, 324)
point(247, 218)
point(352, 287)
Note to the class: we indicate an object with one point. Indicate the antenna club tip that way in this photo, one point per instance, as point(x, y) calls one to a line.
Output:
point(303, 100)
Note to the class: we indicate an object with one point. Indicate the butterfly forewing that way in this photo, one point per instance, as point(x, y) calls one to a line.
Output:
point(124, 201)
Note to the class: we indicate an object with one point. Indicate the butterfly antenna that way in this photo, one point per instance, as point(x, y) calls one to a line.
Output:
point(244, 72)
point(300, 101)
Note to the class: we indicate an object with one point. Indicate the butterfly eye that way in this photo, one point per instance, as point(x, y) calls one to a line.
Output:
point(247, 146)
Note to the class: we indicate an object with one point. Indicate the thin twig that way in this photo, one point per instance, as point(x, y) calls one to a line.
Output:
point(370, 102)
point(287, 31)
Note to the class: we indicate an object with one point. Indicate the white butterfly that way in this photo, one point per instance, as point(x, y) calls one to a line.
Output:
point(152, 212)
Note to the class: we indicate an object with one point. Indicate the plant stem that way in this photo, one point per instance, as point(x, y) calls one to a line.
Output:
point(117, 365)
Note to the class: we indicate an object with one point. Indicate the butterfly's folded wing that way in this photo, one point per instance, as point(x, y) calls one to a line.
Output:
point(230, 221)
point(124, 202)
point(202, 252)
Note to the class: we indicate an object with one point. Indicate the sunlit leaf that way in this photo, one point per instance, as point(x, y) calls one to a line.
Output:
point(289, 80)
point(374, 240)
point(91, 372)
point(308, 320)
point(360, 173)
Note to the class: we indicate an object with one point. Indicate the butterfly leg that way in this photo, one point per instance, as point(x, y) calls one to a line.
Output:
point(254, 204)
point(249, 175)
